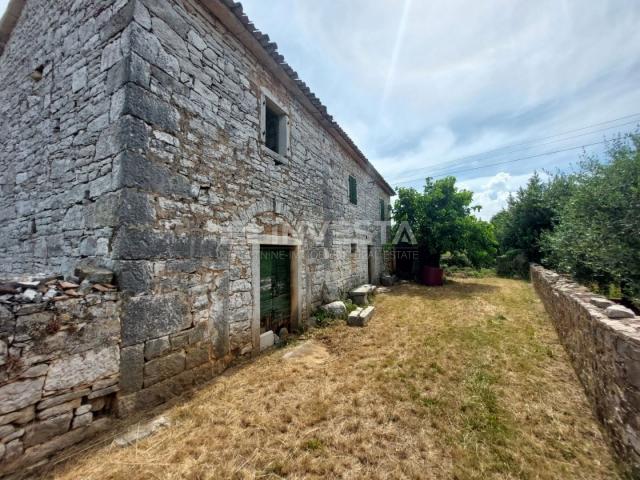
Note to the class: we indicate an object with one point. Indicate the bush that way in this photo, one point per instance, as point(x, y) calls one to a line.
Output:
point(597, 237)
point(459, 260)
point(514, 263)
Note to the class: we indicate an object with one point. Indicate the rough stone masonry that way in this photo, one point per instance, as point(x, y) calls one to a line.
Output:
point(134, 138)
point(603, 343)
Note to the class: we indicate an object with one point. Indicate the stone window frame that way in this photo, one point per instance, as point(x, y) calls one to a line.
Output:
point(284, 135)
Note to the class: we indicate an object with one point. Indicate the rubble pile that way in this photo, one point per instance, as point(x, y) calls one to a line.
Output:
point(54, 288)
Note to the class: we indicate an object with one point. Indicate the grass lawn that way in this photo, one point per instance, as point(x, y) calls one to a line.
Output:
point(466, 381)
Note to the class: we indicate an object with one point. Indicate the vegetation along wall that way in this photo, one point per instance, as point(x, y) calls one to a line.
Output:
point(603, 343)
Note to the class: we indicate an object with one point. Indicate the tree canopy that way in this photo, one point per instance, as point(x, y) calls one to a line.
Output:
point(441, 218)
point(586, 223)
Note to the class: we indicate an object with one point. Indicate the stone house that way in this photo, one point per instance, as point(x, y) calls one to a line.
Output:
point(168, 141)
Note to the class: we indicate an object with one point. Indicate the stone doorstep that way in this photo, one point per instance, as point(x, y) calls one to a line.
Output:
point(360, 316)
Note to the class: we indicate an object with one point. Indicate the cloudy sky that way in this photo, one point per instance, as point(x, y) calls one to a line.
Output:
point(430, 87)
point(436, 87)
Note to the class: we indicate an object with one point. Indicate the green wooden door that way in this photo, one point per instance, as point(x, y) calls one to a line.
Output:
point(275, 288)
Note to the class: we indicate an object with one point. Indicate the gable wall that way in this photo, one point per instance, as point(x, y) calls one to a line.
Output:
point(56, 160)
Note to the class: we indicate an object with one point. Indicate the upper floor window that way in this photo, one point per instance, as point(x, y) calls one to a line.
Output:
point(274, 126)
point(383, 210)
point(353, 190)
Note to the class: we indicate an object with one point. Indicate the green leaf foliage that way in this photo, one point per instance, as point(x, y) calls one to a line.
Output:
point(597, 236)
point(586, 223)
point(441, 218)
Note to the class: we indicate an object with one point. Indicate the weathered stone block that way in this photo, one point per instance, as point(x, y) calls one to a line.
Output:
point(15, 435)
point(156, 347)
point(167, 12)
point(20, 417)
point(98, 404)
point(618, 311)
point(103, 392)
point(94, 274)
point(52, 401)
point(59, 409)
point(267, 340)
point(180, 340)
point(7, 319)
point(15, 396)
point(105, 383)
point(40, 432)
point(82, 409)
point(131, 368)
point(197, 355)
point(82, 420)
point(134, 276)
point(118, 22)
point(83, 368)
point(37, 452)
point(163, 368)
point(360, 317)
point(147, 317)
point(335, 309)
point(128, 133)
point(14, 449)
point(136, 171)
point(143, 104)
point(32, 326)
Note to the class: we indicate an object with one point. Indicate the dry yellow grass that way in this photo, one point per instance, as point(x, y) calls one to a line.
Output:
point(467, 381)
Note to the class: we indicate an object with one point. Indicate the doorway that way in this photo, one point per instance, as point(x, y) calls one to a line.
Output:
point(370, 264)
point(275, 288)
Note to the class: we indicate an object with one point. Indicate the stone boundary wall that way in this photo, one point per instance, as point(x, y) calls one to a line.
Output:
point(605, 353)
point(59, 366)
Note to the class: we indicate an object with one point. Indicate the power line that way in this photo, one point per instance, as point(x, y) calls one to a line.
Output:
point(451, 163)
point(541, 144)
point(503, 163)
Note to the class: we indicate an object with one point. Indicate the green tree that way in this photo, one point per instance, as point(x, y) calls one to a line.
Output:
point(532, 211)
point(597, 236)
point(441, 220)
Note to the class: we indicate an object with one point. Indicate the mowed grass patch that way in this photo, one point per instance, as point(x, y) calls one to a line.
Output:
point(467, 381)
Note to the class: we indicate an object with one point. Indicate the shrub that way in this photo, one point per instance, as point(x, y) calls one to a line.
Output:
point(514, 263)
point(597, 237)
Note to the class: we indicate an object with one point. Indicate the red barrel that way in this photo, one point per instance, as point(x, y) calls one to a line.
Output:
point(432, 276)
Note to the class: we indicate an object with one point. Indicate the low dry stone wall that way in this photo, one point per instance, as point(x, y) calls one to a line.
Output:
point(605, 353)
point(59, 365)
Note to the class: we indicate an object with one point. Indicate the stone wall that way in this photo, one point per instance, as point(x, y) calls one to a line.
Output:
point(56, 160)
point(132, 134)
point(211, 193)
point(605, 353)
point(59, 366)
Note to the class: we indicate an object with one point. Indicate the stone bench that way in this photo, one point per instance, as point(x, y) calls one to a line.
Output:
point(360, 295)
point(360, 316)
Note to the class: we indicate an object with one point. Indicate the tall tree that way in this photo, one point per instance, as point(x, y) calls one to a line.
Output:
point(597, 236)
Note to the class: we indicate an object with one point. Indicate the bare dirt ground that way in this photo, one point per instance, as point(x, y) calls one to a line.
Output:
point(467, 381)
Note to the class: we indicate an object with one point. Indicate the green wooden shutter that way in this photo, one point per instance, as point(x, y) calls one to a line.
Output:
point(353, 190)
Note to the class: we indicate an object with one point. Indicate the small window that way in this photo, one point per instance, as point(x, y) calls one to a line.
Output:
point(275, 127)
point(383, 211)
point(353, 190)
point(354, 248)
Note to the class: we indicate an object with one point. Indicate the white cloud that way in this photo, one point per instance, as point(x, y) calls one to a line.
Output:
point(469, 76)
point(492, 192)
